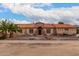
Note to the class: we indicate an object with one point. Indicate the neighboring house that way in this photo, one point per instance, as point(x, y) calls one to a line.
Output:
point(47, 29)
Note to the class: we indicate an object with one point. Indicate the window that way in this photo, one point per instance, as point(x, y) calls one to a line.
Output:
point(66, 29)
point(31, 30)
point(48, 30)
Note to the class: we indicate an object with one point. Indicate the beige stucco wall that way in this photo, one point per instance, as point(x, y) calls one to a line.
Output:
point(48, 33)
point(20, 34)
point(28, 33)
point(69, 32)
point(72, 31)
point(35, 31)
point(60, 31)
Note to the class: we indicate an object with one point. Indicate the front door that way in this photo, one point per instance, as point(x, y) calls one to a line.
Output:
point(39, 31)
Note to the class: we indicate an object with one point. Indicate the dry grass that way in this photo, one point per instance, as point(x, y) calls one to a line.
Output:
point(40, 49)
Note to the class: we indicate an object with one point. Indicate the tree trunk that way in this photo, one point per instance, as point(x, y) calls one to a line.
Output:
point(11, 35)
point(4, 35)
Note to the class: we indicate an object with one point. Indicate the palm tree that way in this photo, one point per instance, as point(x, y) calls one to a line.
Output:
point(13, 28)
point(8, 27)
point(4, 28)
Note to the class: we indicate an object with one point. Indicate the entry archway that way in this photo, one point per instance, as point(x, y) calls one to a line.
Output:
point(39, 29)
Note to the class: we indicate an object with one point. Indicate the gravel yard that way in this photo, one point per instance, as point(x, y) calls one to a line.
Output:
point(39, 48)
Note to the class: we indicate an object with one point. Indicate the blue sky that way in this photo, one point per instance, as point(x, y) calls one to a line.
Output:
point(58, 5)
point(44, 12)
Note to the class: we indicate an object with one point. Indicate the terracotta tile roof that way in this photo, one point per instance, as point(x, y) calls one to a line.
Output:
point(48, 26)
point(64, 26)
point(24, 26)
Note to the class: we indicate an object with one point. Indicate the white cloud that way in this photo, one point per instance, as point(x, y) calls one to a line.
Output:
point(20, 22)
point(17, 21)
point(1, 11)
point(52, 16)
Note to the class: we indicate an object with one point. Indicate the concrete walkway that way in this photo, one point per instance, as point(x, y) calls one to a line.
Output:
point(37, 41)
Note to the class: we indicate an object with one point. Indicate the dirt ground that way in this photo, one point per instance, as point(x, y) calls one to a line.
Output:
point(48, 48)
